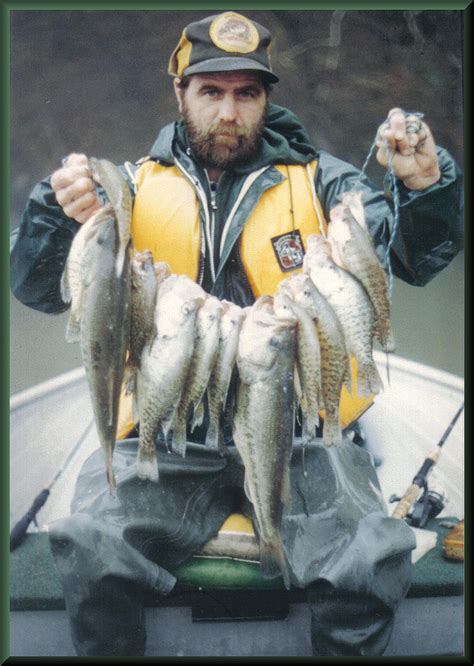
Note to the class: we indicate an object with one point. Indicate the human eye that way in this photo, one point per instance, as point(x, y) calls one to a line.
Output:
point(248, 93)
point(210, 92)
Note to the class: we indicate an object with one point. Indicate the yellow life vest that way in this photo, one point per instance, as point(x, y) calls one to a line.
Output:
point(166, 221)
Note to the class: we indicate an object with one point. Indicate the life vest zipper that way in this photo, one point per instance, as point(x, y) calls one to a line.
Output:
point(207, 224)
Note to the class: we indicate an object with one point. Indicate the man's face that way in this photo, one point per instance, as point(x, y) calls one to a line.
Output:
point(224, 114)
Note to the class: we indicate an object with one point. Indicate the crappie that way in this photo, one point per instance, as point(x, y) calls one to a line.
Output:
point(206, 344)
point(145, 280)
point(357, 255)
point(335, 363)
point(353, 308)
point(231, 323)
point(263, 424)
point(308, 361)
point(164, 365)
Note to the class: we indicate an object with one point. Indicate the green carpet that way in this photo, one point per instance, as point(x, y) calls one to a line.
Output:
point(34, 581)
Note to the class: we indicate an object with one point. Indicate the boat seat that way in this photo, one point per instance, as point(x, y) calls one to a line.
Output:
point(35, 584)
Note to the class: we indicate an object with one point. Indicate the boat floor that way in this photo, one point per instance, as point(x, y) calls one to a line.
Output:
point(401, 429)
point(420, 629)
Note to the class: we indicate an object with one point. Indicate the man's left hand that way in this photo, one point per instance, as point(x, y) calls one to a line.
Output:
point(405, 143)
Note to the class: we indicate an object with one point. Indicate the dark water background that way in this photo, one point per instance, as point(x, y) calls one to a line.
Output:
point(96, 82)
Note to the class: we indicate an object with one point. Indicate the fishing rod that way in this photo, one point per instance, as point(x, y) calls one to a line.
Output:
point(19, 530)
point(420, 483)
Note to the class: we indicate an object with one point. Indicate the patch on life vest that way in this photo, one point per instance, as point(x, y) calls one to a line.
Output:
point(289, 250)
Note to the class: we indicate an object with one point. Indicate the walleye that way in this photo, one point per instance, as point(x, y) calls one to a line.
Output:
point(308, 361)
point(263, 423)
point(335, 362)
point(357, 255)
point(100, 310)
point(164, 365)
point(206, 344)
point(146, 277)
point(352, 305)
point(231, 323)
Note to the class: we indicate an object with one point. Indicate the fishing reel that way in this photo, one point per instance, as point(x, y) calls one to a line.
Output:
point(427, 507)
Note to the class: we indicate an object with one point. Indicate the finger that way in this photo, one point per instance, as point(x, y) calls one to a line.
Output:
point(79, 187)
point(79, 205)
point(413, 126)
point(75, 159)
point(88, 212)
point(68, 175)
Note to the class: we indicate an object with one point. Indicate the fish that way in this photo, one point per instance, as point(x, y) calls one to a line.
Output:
point(231, 323)
point(146, 276)
point(206, 345)
point(164, 365)
point(308, 362)
point(334, 359)
point(352, 305)
point(101, 303)
point(108, 175)
point(357, 255)
point(263, 424)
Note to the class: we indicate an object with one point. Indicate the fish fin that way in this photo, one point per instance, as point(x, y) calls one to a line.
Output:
point(369, 379)
point(198, 415)
point(135, 408)
point(178, 443)
point(64, 286)
point(273, 561)
point(332, 435)
point(73, 329)
point(247, 490)
point(387, 367)
point(347, 379)
point(130, 378)
point(285, 494)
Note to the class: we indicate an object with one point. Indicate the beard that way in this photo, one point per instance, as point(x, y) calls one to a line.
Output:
point(223, 145)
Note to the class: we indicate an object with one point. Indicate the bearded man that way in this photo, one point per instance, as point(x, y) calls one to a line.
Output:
point(221, 196)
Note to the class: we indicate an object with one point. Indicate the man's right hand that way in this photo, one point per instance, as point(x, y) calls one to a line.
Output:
point(75, 189)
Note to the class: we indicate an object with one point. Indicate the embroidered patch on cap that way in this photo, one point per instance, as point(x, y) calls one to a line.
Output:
point(289, 250)
point(234, 33)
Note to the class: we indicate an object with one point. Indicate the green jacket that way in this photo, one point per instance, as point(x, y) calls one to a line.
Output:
point(429, 231)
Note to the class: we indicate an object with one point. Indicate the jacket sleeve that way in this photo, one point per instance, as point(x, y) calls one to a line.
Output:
point(429, 228)
point(40, 247)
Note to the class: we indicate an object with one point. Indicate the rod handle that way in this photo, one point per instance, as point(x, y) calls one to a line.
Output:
point(19, 530)
point(406, 501)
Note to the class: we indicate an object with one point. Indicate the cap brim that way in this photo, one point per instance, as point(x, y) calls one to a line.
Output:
point(229, 65)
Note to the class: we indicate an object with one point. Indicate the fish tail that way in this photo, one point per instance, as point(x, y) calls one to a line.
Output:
point(147, 465)
point(178, 442)
point(273, 561)
point(213, 436)
point(310, 423)
point(111, 477)
point(369, 379)
point(332, 435)
point(388, 340)
point(198, 415)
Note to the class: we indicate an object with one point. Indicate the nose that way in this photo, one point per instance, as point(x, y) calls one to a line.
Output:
point(228, 109)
